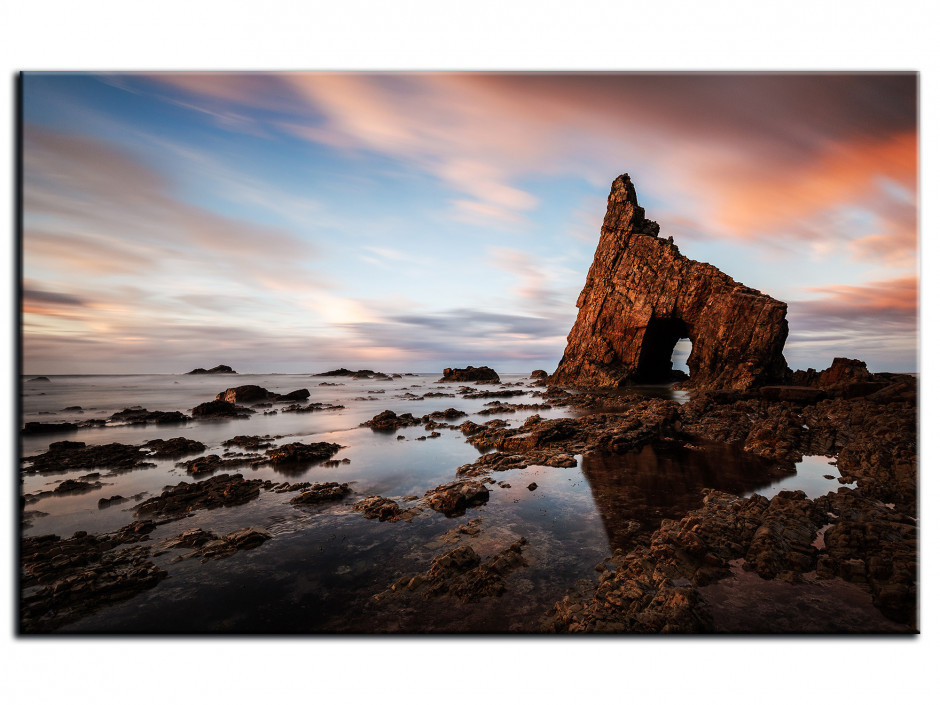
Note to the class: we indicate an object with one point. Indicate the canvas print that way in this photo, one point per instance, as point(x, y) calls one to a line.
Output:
point(538, 353)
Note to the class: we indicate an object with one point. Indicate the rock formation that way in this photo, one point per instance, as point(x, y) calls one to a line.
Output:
point(469, 374)
point(642, 296)
point(217, 370)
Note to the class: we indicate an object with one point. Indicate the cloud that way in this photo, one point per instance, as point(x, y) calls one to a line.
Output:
point(876, 322)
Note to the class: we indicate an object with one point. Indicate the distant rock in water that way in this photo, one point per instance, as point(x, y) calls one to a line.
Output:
point(34, 427)
point(538, 374)
point(39, 379)
point(343, 372)
point(217, 370)
point(642, 296)
point(469, 374)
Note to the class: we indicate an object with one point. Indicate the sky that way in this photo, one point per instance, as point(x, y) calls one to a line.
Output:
point(296, 222)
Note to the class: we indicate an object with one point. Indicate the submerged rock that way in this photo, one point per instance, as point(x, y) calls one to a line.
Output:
point(384, 509)
point(453, 498)
point(322, 492)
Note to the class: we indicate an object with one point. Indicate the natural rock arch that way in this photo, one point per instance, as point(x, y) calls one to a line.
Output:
point(641, 296)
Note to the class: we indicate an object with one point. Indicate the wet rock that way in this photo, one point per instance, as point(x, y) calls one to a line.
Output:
point(106, 502)
point(874, 545)
point(532, 487)
point(784, 540)
point(75, 486)
point(322, 492)
point(384, 509)
point(296, 395)
point(461, 574)
point(217, 370)
point(449, 413)
point(63, 580)
point(244, 394)
point(39, 379)
point(212, 463)
point(221, 410)
point(297, 453)
point(469, 374)
point(59, 458)
point(538, 374)
point(250, 442)
point(137, 415)
point(218, 491)
point(288, 487)
point(37, 427)
point(174, 447)
point(389, 421)
point(454, 498)
point(641, 296)
point(316, 406)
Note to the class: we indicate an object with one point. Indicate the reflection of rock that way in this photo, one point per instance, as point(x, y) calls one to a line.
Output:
point(665, 481)
point(642, 296)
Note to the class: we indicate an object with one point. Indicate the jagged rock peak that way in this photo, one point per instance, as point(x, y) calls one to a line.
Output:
point(624, 213)
point(642, 296)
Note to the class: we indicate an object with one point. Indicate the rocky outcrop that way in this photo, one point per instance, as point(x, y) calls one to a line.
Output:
point(37, 427)
point(217, 370)
point(219, 409)
point(469, 374)
point(138, 415)
point(642, 296)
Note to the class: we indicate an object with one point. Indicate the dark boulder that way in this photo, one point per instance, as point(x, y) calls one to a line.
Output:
point(469, 374)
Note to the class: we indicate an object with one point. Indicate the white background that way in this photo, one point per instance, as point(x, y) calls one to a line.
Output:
point(483, 34)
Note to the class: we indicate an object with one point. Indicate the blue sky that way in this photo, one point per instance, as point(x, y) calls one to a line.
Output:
point(297, 222)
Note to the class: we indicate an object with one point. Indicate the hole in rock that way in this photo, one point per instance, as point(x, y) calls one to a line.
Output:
point(665, 351)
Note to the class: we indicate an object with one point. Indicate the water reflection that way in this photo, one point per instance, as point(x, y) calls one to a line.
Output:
point(665, 481)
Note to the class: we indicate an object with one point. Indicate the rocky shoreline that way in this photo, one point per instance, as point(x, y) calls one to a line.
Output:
point(863, 539)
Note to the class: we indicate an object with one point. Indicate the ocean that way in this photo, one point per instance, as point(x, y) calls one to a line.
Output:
point(325, 563)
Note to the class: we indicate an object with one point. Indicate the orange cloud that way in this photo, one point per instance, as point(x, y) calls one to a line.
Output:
point(842, 173)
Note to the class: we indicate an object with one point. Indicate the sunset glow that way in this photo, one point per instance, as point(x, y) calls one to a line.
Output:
point(299, 222)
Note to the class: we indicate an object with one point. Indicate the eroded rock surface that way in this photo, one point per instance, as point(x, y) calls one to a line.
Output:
point(641, 296)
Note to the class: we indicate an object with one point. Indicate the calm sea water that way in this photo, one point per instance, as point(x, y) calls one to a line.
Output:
point(323, 565)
